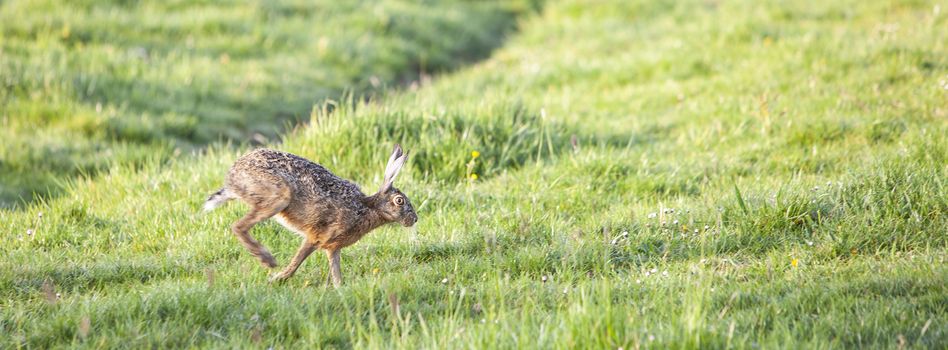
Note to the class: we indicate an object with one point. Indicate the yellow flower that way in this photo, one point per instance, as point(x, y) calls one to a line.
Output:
point(794, 262)
point(475, 154)
point(473, 176)
point(375, 271)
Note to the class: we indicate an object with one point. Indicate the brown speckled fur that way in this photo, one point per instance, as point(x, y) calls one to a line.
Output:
point(329, 212)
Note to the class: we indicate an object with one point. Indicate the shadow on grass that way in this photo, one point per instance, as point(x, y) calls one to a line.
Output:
point(26, 282)
point(166, 116)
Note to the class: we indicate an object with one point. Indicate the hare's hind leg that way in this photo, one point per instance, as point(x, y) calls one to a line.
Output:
point(262, 207)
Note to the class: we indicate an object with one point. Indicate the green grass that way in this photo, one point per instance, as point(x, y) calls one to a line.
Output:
point(657, 174)
point(87, 84)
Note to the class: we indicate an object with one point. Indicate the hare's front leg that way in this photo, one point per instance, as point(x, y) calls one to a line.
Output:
point(306, 248)
point(335, 271)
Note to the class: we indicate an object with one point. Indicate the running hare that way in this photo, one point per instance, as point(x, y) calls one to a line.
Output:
point(327, 211)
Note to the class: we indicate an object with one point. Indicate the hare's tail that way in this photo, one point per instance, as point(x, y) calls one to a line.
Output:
point(217, 199)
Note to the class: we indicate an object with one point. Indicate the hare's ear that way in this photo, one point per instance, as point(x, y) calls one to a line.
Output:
point(395, 163)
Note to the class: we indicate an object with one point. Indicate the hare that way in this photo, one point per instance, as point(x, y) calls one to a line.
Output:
point(329, 212)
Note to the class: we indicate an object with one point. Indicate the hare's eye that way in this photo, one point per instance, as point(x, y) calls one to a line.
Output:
point(399, 200)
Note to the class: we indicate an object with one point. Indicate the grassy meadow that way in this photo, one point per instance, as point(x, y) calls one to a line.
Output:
point(85, 85)
point(617, 174)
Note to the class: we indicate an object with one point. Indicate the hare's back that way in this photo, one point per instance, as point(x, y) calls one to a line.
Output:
point(308, 180)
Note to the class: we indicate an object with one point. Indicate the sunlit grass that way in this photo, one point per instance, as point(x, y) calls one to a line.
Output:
point(649, 174)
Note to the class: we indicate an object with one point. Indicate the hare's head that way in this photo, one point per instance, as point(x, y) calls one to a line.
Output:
point(392, 203)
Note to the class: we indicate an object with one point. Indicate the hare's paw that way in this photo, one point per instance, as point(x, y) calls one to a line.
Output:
point(267, 260)
point(279, 277)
